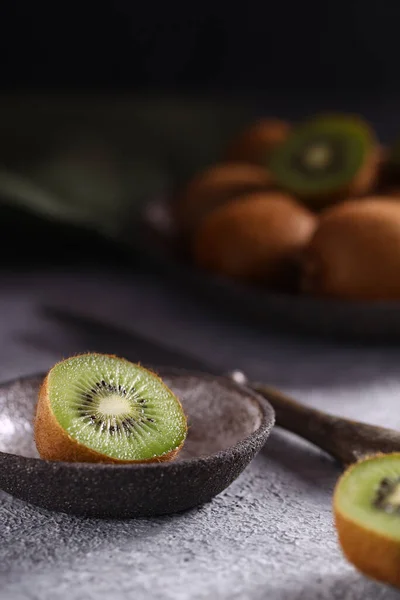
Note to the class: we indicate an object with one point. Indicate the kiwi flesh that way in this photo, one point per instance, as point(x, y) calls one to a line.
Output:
point(355, 251)
point(214, 187)
point(327, 158)
point(100, 408)
point(257, 141)
point(366, 506)
point(254, 238)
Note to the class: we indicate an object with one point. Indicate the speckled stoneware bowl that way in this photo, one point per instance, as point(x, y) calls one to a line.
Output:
point(228, 425)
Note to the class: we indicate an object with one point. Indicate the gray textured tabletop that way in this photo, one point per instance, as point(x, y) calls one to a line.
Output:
point(269, 535)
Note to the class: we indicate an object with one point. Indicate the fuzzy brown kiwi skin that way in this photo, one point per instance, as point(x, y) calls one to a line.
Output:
point(255, 238)
point(367, 177)
point(54, 443)
point(374, 555)
point(355, 251)
point(255, 143)
point(214, 187)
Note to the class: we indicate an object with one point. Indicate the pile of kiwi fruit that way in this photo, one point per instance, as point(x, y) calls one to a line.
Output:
point(311, 207)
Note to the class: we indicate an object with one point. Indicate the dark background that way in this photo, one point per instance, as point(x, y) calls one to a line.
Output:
point(253, 45)
point(291, 57)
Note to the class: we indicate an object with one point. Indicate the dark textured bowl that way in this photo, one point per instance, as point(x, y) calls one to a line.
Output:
point(155, 238)
point(227, 427)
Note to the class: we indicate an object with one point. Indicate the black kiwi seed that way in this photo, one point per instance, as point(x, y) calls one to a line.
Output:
point(129, 424)
point(385, 483)
point(386, 488)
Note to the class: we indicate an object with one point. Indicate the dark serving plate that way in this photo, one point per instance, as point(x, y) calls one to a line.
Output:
point(228, 425)
point(155, 239)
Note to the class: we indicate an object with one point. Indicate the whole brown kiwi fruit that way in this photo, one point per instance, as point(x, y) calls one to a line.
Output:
point(254, 238)
point(216, 186)
point(255, 143)
point(355, 251)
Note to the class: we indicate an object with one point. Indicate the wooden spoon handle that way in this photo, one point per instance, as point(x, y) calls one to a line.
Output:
point(345, 440)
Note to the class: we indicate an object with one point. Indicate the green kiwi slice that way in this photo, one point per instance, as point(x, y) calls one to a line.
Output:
point(367, 516)
point(322, 156)
point(116, 409)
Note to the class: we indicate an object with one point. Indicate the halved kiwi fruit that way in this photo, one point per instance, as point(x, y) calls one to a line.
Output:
point(214, 187)
point(256, 142)
point(254, 238)
point(355, 251)
point(327, 158)
point(366, 506)
point(100, 408)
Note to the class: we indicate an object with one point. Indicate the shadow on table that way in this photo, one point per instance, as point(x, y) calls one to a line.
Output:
point(304, 461)
point(68, 332)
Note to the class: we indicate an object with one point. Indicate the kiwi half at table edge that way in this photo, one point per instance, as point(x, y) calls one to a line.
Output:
point(327, 158)
point(100, 408)
point(366, 506)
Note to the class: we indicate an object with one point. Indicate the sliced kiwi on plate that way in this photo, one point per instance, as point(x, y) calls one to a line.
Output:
point(100, 408)
point(326, 158)
point(367, 516)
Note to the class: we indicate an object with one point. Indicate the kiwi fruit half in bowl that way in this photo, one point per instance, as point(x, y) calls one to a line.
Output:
point(327, 158)
point(366, 508)
point(100, 408)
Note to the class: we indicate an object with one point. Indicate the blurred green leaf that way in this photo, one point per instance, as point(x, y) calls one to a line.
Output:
point(95, 160)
